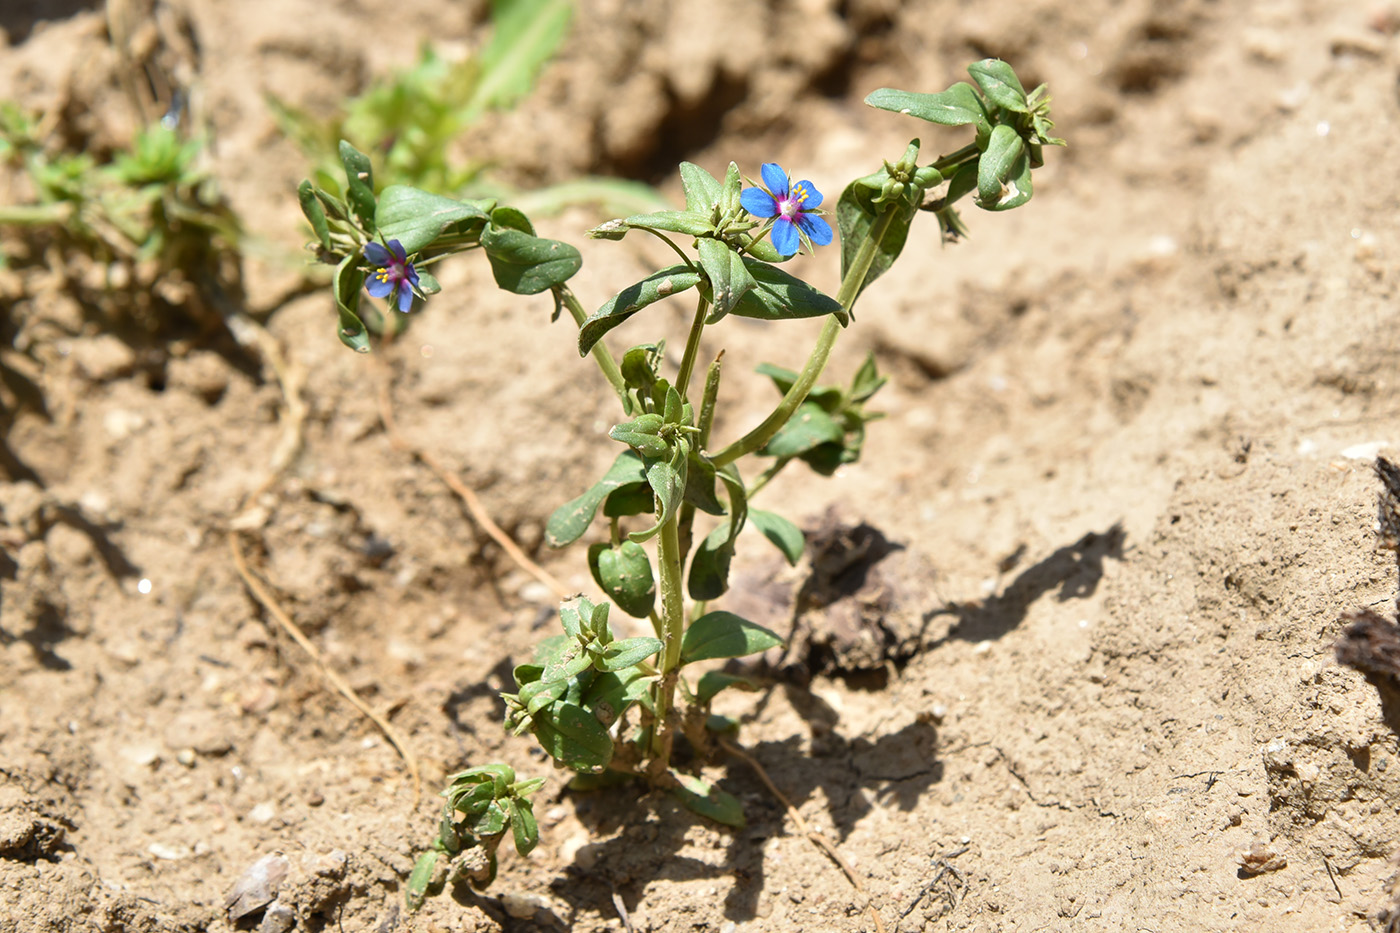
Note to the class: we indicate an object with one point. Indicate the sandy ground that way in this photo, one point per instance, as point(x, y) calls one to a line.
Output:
point(1126, 477)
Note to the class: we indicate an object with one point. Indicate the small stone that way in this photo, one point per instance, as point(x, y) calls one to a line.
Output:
point(167, 852)
point(186, 757)
point(257, 886)
point(262, 813)
point(279, 918)
point(103, 358)
point(1260, 858)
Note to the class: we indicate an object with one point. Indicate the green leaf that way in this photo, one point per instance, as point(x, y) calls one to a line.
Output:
point(867, 380)
point(662, 284)
point(421, 882)
point(568, 522)
point(523, 828)
point(712, 682)
point(724, 635)
point(526, 34)
point(641, 435)
point(416, 218)
point(956, 106)
point(809, 428)
point(490, 821)
point(357, 166)
point(315, 214)
point(428, 283)
point(729, 277)
point(702, 190)
point(1002, 169)
point(700, 797)
point(624, 573)
point(689, 223)
point(856, 217)
point(511, 218)
point(778, 296)
point(828, 397)
point(998, 81)
point(700, 485)
point(668, 483)
point(628, 652)
point(525, 264)
point(348, 280)
point(574, 736)
point(634, 499)
point(613, 694)
point(786, 536)
point(709, 568)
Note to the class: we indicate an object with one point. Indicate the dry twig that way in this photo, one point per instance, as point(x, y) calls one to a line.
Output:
point(291, 628)
point(463, 491)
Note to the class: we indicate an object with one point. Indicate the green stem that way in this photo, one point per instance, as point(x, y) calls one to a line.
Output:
point(600, 353)
point(851, 285)
point(956, 158)
point(692, 347)
point(36, 214)
point(672, 628)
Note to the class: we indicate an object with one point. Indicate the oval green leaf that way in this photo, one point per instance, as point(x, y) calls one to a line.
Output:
point(662, 284)
point(724, 635)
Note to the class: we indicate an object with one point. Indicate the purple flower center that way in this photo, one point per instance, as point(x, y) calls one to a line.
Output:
point(791, 206)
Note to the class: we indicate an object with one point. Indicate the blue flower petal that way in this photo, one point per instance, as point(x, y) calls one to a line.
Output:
point(814, 197)
point(377, 254)
point(775, 178)
point(396, 248)
point(758, 202)
point(378, 287)
point(411, 274)
point(785, 239)
point(817, 230)
point(405, 298)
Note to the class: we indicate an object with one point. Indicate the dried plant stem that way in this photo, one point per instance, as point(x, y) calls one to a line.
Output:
point(816, 838)
point(291, 379)
point(464, 492)
point(261, 594)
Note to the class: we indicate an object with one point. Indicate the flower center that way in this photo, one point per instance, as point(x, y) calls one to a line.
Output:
point(790, 206)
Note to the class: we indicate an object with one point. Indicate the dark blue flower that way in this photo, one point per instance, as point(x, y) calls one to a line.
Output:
point(794, 210)
point(395, 279)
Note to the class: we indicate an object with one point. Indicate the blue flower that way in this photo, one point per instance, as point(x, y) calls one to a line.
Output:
point(795, 210)
point(395, 279)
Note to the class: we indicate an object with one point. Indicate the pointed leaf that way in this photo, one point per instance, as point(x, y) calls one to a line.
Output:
point(856, 217)
point(568, 522)
point(315, 214)
point(348, 280)
point(668, 484)
point(523, 827)
point(998, 81)
point(525, 264)
point(712, 682)
point(956, 106)
point(669, 281)
point(809, 428)
point(786, 536)
point(574, 736)
point(700, 797)
point(729, 277)
point(724, 635)
point(778, 296)
point(702, 190)
point(628, 652)
point(689, 223)
point(416, 218)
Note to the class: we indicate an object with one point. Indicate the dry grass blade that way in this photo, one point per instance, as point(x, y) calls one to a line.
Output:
point(464, 492)
point(261, 594)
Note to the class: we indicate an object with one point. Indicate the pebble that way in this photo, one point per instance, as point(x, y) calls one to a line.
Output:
point(257, 886)
point(279, 918)
point(167, 852)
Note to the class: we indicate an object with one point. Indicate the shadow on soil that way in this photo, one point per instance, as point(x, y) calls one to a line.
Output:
point(1075, 569)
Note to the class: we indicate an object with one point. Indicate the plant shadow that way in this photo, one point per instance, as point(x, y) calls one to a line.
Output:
point(1075, 569)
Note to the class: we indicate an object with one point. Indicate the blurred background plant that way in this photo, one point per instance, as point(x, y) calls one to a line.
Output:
point(142, 236)
point(412, 124)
